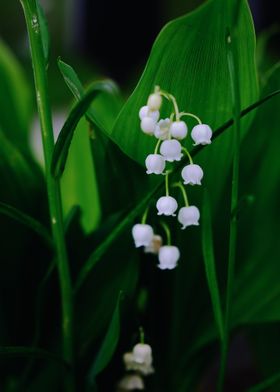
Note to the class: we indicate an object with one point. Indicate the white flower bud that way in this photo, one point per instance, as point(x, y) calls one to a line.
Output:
point(178, 130)
point(145, 112)
point(155, 164)
point(171, 150)
point(131, 382)
point(144, 368)
point(142, 353)
point(154, 101)
point(162, 129)
point(148, 125)
point(188, 216)
point(192, 174)
point(154, 246)
point(168, 257)
point(167, 205)
point(201, 134)
point(142, 234)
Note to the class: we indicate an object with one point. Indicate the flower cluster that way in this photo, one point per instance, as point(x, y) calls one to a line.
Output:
point(138, 363)
point(170, 134)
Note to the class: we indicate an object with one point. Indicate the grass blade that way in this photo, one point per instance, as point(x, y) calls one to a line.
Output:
point(108, 346)
point(137, 209)
point(66, 134)
point(210, 267)
point(264, 385)
point(27, 221)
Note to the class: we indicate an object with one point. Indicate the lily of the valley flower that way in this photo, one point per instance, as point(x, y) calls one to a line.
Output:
point(154, 245)
point(148, 125)
point(167, 205)
point(171, 150)
point(145, 112)
point(142, 234)
point(142, 353)
point(188, 216)
point(131, 382)
point(192, 174)
point(178, 130)
point(201, 134)
point(162, 129)
point(154, 101)
point(155, 164)
point(144, 368)
point(168, 257)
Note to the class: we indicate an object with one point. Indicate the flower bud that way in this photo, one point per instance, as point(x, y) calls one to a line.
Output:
point(154, 246)
point(154, 101)
point(131, 382)
point(162, 129)
point(168, 257)
point(148, 125)
point(201, 134)
point(155, 164)
point(188, 216)
point(178, 130)
point(142, 353)
point(144, 368)
point(192, 174)
point(171, 150)
point(145, 112)
point(167, 205)
point(142, 234)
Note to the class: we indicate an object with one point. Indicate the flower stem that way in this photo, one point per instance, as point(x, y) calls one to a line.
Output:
point(191, 115)
point(167, 232)
point(188, 154)
point(234, 82)
point(53, 188)
point(142, 335)
point(157, 146)
point(184, 192)
point(166, 183)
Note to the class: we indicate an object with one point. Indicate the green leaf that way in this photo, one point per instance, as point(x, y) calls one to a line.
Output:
point(21, 351)
point(263, 386)
point(65, 137)
point(27, 221)
point(210, 264)
point(108, 346)
point(44, 32)
point(188, 59)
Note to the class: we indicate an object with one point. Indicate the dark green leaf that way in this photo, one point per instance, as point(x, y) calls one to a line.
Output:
point(108, 346)
point(263, 386)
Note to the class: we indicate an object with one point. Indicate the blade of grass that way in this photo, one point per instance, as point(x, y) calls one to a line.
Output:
point(264, 385)
point(236, 108)
point(210, 265)
point(27, 221)
point(139, 207)
point(66, 134)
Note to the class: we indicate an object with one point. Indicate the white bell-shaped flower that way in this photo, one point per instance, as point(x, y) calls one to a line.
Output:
point(142, 234)
point(168, 257)
point(192, 174)
point(130, 364)
point(148, 125)
point(154, 245)
point(178, 130)
point(201, 134)
point(155, 164)
point(171, 150)
point(162, 129)
point(131, 382)
point(154, 101)
point(189, 216)
point(145, 112)
point(142, 353)
point(167, 205)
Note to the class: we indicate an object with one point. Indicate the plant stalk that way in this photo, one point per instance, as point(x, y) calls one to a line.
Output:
point(53, 186)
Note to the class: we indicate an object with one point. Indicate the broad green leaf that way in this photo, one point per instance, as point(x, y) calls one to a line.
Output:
point(210, 264)
point(188, 59)
point(66, 134)
point(108, 346)
point(15, 100)
point(26, 220)
point(44, 32)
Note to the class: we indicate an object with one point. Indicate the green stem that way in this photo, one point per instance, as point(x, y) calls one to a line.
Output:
point(144, 216)
point(53, 188)
point(234, 81)
point(157, 146)
point(142, 335)
point(191, 115)
point(184, 192)
point(166, 183)
point(188, 154)
point(167, 232)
